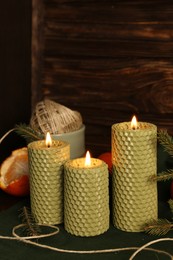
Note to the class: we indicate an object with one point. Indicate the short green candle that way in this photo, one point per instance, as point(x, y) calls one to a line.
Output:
point(86, 197)
point(134, 158)
point(46, 166)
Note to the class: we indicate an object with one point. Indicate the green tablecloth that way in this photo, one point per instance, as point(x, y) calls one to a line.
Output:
point(113, 238)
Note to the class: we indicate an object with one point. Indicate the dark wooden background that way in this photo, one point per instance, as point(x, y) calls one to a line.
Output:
point(15, 70)
point(106, 59)
point(15, 77)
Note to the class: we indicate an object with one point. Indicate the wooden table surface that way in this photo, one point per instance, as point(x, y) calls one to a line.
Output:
point(6, 201)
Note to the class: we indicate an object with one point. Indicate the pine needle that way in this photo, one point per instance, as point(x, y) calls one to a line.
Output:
point(163, 176)
point(166, 140)
point(170, 202)
point(28, 133)
point(31, 228)
point(158, 227)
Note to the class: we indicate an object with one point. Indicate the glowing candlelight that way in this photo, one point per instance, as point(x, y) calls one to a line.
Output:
point(88, 159)
point(48, 140)
point(134, 123)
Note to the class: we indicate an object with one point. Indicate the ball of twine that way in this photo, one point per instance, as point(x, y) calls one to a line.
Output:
point(55, 118)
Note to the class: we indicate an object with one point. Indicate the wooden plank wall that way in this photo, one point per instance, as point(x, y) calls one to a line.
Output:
point(15, 71)
point(106, 59)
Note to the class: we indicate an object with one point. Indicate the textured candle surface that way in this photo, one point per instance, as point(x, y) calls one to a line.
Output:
point(46, 180)
point(86, 197)
point(134, 154)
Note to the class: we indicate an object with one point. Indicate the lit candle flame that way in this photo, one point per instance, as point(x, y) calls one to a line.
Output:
point(87, 159)
point(134, 123)
point(48, 140)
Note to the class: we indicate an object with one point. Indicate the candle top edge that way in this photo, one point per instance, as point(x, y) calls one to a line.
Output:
point(141, 126)
point(41, 144)
point(80, 163)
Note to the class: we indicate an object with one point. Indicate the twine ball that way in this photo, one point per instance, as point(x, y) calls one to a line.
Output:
point(54, 118)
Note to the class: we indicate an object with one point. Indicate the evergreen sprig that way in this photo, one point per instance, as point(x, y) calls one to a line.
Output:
point(158, 227)
point(170, 202)
point(31, 228)
point(166, 140)
point(162, 226)
point(163, 176)
point(27, 133)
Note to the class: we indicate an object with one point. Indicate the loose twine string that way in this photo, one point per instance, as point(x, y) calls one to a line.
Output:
point(27, 240)
point(5, 135)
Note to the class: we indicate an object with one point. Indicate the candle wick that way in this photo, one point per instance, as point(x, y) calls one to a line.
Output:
point(135, 127)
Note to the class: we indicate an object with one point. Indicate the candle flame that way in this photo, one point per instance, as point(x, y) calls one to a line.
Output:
point(87, 159)
point(134, 123)
point(48, 140)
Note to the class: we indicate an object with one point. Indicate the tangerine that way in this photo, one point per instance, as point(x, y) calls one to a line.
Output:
point(14, 173)
point(107, 158)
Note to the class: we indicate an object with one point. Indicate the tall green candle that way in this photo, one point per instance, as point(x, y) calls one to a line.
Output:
point(46, 165)
point(86, 197)
point(134, 195)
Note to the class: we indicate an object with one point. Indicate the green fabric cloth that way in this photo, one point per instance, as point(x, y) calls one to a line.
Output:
point(113, 238)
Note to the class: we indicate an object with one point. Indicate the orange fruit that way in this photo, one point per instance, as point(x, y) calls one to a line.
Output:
point(14, 173)
point(107, 158)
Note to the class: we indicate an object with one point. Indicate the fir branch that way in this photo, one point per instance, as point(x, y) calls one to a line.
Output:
point(28, 133)
point(166, 140)
point(31, 227)
point(163, 176)
point(158, 227)
point(170, 202)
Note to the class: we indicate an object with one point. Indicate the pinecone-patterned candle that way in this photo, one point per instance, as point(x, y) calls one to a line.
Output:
point(134, 154)
point(86, 197)
point(46, 165)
